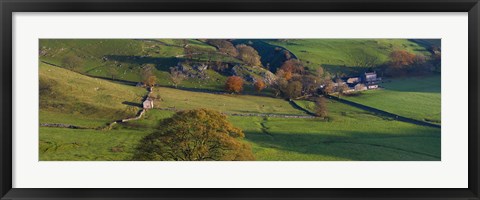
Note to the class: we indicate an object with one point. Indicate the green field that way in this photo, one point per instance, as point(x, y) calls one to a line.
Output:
point(344, 55)
point(229, 103)
point(348, 133)
point(123, 59)
point(71, 98)
point(418, 98)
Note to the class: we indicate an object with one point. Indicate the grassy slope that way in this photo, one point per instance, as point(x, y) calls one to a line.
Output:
point(417, 97)
point(181, 99)
point(351, 135)
point(124, 58)
point(72, 98)
point(340, 54)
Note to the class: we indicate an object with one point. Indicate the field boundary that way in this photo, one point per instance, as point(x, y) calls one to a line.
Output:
point(385, 113)
point(298, 107)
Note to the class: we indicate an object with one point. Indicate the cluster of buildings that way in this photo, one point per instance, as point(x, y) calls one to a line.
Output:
point(368, 81)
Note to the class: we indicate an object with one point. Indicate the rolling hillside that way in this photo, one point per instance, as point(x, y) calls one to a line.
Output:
point(71, 98)
point(344, 55)
point(92, 94)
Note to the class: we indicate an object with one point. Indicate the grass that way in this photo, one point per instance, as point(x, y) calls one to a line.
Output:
point(351, 134)
point(71, 98)
point(124, 58)
point(348, 134)
point(341, 55)
point(229, 103)
point(87, 145)
point(414, 97)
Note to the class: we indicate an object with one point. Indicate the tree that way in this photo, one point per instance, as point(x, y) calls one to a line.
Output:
point(283, 74)
point(195, 135)
point(151, 80)
point(147, 75)
point(234, 84)
point(279, 85)
point(293, 66)
point(341, 87)
point(224, 46)
point(293, 90)
point(328, 87)
point(248, 55)
point(259, 85)
point(310, 84)
point(401, 58)
point(321, 109)
point(72, 62)
point(176, 76)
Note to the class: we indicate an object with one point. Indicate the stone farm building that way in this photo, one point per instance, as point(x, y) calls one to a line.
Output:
point(148, 104)
point(367, 81)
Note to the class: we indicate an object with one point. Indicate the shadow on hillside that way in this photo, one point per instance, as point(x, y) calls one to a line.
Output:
point(133, 104)
point(162, 64)
point(354, 145)
point(427, 43)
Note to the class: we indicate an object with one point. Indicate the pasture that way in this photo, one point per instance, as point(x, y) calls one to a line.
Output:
point(350, 134)
point(227, 103)
point(344, 55)
point(71, 98)
point(413, 97)
point(347, 134)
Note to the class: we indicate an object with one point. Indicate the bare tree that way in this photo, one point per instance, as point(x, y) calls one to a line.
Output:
point(321, 109)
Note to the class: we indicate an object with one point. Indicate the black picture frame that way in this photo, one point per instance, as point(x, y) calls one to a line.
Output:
point(7, 7)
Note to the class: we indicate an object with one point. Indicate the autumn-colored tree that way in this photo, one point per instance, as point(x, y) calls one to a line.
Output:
point(195, 135)
point(176, 76)
point(259, 85)
point(234, 84)
point(248, 55)
point(293, 66)
point(283, 74)
point(401, 58)
point(321, 109)
point(72, 62)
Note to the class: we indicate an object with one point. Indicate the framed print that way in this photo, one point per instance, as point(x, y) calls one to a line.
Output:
point(246, 100)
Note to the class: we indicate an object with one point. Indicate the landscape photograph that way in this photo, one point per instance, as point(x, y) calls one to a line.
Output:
point(246, 99)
